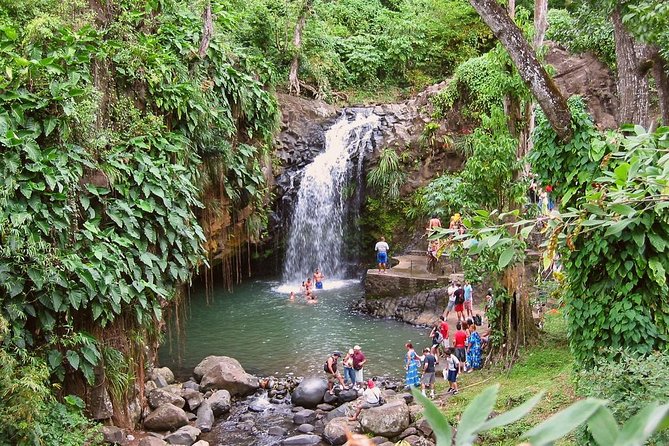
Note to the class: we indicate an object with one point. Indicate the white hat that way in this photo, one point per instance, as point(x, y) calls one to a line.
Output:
point(356, 347)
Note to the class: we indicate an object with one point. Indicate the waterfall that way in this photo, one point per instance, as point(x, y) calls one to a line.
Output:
point(318, 222)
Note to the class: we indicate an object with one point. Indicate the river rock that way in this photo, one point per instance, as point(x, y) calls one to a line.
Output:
point(348, 395)
point(325, 407)
point(304, 416)
point(309, 393)
point(335, 430)
point(161, 396)
point(341, 411)
point(227, 373)
point(191, 385)
point(166, 418)
point(302, 440)
point(415, 440)
point(259, 405)
point(408, 432)
point(165, 372)
point(424, 427)
point(113, 435)
point(193, 399)
point(152, 441)
point(205, 417)
point(305, 428)
point(201, 443)
point(388, 420)
point(184, 436)
point(220, 402)
point(277, 431)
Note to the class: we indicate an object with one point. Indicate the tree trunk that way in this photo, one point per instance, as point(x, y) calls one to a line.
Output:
point(207, 31)
point(293, 79)
point(633, 70)
point(533, 74)
point(662, 85)
point(540, 23)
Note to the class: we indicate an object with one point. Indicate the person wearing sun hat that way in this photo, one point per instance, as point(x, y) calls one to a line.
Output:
point(333, 375)
point(359, 361)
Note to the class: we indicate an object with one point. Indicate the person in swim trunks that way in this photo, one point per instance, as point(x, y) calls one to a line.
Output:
point(318, 279)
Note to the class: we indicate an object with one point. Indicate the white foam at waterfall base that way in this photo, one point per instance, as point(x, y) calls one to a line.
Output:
point(335, 284)
point(316, 235)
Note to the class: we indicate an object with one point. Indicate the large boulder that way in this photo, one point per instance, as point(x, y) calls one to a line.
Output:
point(335, 430)
point(309, 393)
point(220, 402)
point(193, 399)
point(388, 420)
point(166, 418)
point(158, 397)
point(222, 372)
point(185, 436)
point(163, 372)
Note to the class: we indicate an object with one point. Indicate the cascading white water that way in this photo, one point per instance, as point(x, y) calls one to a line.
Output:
point(318, 221)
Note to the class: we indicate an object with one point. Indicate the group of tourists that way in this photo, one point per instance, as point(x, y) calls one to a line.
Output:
point(353, 363)
point(460, 299)
point(307, 287)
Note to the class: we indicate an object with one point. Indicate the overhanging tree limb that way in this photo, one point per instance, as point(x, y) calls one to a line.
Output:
point(533, 74)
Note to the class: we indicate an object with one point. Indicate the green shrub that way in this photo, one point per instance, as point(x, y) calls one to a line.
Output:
point(628, 383)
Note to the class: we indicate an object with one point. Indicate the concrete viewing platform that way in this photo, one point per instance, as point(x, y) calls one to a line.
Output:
point(409, 276)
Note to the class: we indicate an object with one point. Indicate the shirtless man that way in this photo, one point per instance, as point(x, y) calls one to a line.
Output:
point(318, 279)
point(433, 223)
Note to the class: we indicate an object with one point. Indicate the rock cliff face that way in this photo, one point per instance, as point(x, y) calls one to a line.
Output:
point(583, 74)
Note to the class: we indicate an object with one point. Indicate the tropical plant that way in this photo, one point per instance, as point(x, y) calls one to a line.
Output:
point(387, 177)
point(600, 422)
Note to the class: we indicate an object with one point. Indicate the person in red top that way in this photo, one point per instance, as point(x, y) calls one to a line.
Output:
point(359, 361)
point(460, 342)
point(443, 327)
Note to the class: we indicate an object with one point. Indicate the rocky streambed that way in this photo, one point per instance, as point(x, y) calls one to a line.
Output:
point(221, 404)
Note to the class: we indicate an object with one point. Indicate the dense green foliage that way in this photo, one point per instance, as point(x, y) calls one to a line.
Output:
point(28, 413)
point(628, 384)
point(615, 239)
point(361, 44)
point(586, 29)
point(104, 119)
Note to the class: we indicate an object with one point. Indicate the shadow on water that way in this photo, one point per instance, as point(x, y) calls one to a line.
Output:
point(271, 335)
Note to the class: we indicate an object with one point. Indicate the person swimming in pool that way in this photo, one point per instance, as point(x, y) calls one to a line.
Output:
point(318, 279)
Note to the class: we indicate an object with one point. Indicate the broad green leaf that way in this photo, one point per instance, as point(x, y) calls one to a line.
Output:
point(563, 422)
point(659, 273)
point(506, 257)
point(622, 209)
point(617, 227)
point(621, 173)
point(641, 426)
point(475, 414)
point(514, 414)
point(525, 232)
point(437, 420)
point(73, 359)
point(91, 354)
point(492, 240)
point(603, 427)
point(55, 358)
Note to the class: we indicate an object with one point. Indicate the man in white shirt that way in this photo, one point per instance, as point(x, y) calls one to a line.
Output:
point(381, 249)
point(371, 397)
point(451, 299)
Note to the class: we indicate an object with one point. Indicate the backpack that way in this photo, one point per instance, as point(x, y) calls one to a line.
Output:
point(325, 367)
point(478, 321)
point(459, 297)
point(438, 337)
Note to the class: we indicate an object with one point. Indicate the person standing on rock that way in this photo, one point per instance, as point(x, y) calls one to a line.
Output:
point(349, 373)
point(429, 361)
point(382, 249)
point(359, 361)
point(330, 368)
